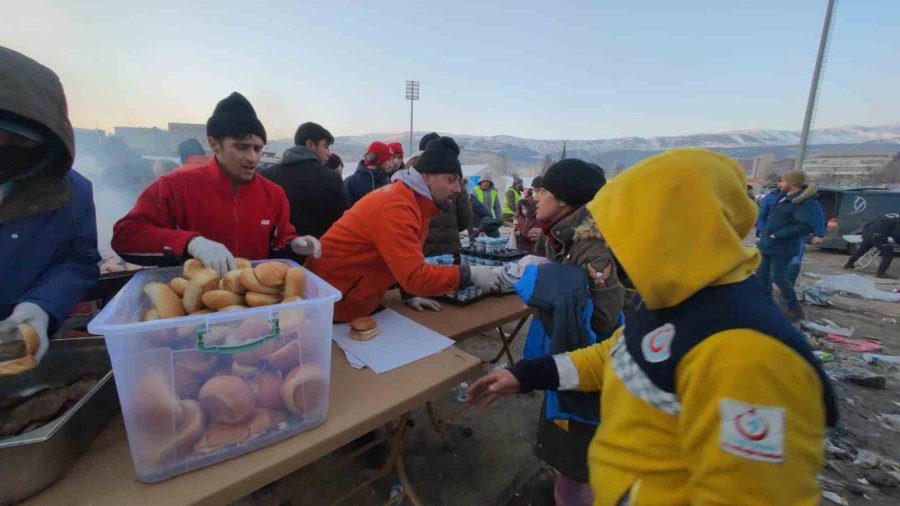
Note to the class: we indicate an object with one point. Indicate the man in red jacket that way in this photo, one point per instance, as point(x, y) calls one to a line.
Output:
point(378, 242)
point(216, 211)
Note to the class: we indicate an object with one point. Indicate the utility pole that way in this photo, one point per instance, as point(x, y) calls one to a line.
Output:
point(412, 94)
point(814, 87)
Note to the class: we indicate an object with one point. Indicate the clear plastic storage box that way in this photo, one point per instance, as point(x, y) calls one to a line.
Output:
point(185, 384)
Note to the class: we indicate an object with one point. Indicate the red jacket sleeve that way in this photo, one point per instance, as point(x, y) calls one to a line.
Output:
point(398, 243)
point(147, 235)
point(285, 231)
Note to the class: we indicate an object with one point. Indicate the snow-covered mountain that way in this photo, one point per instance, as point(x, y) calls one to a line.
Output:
point(524, 151)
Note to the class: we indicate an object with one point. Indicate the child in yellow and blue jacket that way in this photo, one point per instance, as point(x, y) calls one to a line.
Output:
point(708, 394)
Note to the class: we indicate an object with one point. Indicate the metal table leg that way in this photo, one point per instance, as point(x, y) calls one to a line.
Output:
point(507, 340)
point(394, 462)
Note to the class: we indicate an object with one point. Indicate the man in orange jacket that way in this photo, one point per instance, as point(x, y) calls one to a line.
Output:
point(378, 242)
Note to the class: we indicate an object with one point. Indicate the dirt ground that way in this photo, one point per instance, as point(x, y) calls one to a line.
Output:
point(491, 462)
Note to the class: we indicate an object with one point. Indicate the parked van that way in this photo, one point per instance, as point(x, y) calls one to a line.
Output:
point(847, 210)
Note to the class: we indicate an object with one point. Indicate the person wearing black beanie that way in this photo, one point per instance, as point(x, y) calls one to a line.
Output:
point(569, 236)
point(378, 242)
point(216, 211)
point(573, 181)
point(426, 139)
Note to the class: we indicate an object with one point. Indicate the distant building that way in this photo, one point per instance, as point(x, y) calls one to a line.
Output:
point(145, 141)
point(845, 169)
point(179, 132)
point(762, 167)
point(270, 157)
point(89, 141)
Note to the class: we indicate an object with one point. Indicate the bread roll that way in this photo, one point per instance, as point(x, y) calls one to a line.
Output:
point(294, 282)
point(219, 435)
point(231, 281)
point(202, 281)
point(254, 299)
point(304, 388)
point(29, 336)
point(178, 285)
point(228, 399)
point(202, 364)
point(217, 299)
point(285, 358)
point(155, 403)
point(251, 283)
point(247, 372)
point(271, 273)
point(235, 307)
point(264, 420)
point(292, 298)
point(164, 300)
point(363, 328)
point(241, 263)
point(191, 267)
point(187, 383)
point(267, 387)
point(191, 427)
point(18, 365)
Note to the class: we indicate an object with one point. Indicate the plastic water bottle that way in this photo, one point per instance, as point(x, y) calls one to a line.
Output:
point(396, 490)
point(462, 391)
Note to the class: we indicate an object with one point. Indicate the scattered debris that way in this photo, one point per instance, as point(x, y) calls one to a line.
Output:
point(823, 356)
point(833, 329)
point(867, 459)
point(854, 345)
point(814, 295)
point(889, 320)
point(881, 479)
point(875, 359)
point(857, 285)
point(831, 496)
point(867, 380)
point(833, 450)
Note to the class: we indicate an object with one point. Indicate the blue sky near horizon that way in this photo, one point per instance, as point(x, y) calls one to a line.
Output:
point(576, 70)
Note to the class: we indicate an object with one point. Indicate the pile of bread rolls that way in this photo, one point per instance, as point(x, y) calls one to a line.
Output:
point(215, 400)
point(219, 400)
point(200, 290)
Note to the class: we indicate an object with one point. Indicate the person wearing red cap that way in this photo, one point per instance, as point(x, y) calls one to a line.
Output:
point(371, 173)
point(396, 157)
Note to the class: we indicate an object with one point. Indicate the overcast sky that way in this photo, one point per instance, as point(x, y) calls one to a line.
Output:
point(553, 70)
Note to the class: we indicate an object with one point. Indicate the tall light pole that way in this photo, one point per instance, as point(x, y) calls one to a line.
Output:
point(814, 87)
point(412, 94)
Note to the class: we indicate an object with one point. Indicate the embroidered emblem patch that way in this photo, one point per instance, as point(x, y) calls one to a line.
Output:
point(657, 344)
point(752, 432)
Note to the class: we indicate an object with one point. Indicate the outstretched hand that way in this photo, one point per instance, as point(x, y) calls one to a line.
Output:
point(491, 387)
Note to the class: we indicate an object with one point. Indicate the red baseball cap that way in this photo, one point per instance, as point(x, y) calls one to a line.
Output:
point(381, 151)
point(396, 148)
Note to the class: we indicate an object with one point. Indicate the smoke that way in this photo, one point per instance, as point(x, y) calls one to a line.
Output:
point(110, 204)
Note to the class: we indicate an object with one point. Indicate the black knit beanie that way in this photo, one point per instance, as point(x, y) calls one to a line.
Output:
point(234, 115)
point(574, 181)
point(441, 156)
point(426, 139)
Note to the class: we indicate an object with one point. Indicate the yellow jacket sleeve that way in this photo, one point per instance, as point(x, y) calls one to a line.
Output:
point(752, 424)
point(590, 362)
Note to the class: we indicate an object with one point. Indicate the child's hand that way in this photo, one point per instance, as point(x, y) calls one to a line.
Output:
point(489, 388)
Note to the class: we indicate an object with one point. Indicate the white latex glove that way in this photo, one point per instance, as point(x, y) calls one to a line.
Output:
point(32, 314)
point(214, 255)
point(307, 246)
point(421, 303)
point(486, 278)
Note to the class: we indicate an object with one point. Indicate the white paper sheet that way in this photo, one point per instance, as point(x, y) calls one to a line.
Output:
point(400, 341)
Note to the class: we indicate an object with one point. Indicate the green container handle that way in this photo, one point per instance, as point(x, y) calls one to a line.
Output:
point(231, 350)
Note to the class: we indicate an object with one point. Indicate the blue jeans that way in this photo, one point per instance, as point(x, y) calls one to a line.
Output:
point(794, 266)
point(775, 269)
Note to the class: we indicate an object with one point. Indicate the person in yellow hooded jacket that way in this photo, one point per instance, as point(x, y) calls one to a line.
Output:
point(708, 394)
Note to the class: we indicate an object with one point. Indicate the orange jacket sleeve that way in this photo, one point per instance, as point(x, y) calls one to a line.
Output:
point(399, 244)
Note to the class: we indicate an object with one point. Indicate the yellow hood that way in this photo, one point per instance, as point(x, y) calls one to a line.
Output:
point(676, 222)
